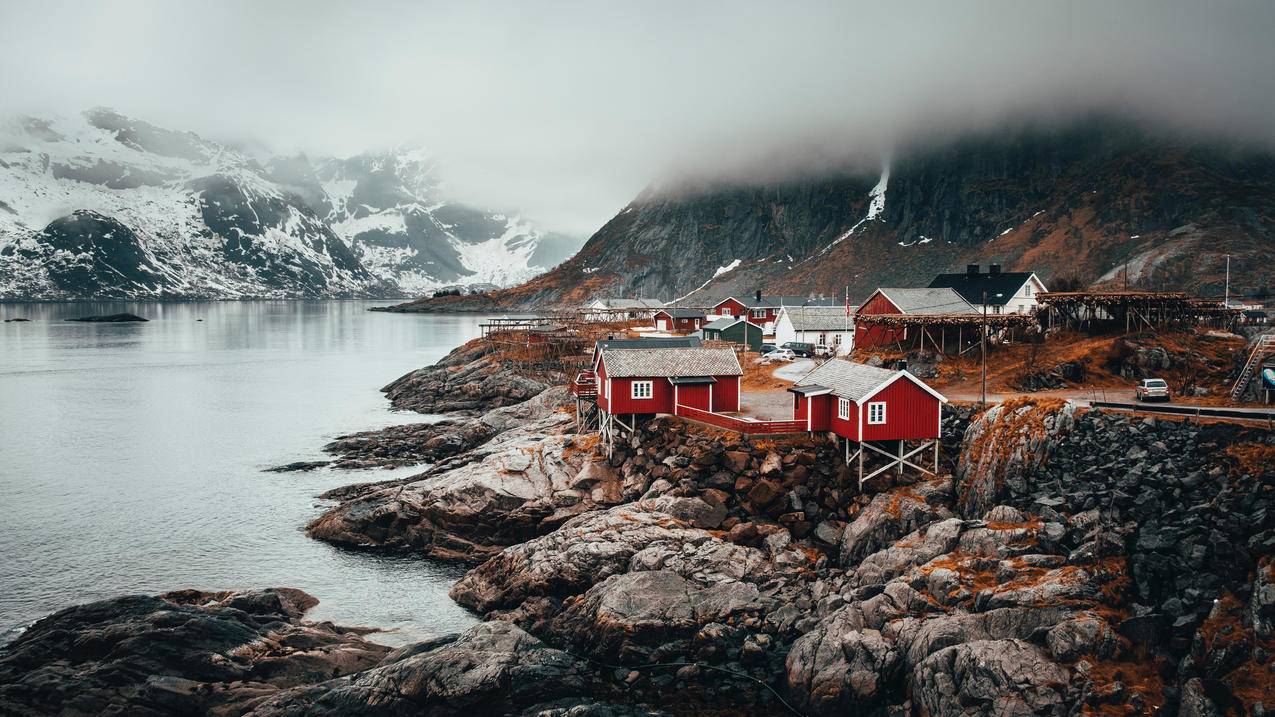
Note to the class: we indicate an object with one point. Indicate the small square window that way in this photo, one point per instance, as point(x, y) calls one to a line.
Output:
point(876, 412)
point(641, 389)
point(843, 409)
point(759, 313)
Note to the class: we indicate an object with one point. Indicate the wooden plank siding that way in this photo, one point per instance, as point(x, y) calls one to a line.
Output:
point(911, 414)
point(868, 336)
point(695, 396)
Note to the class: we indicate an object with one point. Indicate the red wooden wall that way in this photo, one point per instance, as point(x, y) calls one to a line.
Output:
point(818, 411)
point(868, 336)
point(726, 393)
point(736, 308)
point(911, 413)
point(661, 400)
point(844, 428)
point(694, 396)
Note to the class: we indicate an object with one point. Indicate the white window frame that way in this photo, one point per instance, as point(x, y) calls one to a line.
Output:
point(843, 408)
point(726, 311)
point(759, 313)
point(635, 394)
point(873, 418)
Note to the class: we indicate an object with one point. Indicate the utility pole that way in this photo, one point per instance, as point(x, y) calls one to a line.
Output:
point(983, 342)
point(1226, 299)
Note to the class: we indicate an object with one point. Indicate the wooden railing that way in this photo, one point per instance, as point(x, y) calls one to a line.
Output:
point(585, 385)
point(740, 425)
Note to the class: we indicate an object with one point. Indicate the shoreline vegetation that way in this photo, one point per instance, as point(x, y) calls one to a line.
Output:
point(1066, 560)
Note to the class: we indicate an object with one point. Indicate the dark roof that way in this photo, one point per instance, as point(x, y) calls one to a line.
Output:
point(972, 286)
point(691, 380)
point(682, 313)
point(1255, 314)
point(778, 301)
point(669, 363)
point(653, 342)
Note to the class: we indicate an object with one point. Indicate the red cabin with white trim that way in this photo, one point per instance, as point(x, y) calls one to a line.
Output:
point(645, 381)
point(908, 301)
point(684, 320)
point(865, 403)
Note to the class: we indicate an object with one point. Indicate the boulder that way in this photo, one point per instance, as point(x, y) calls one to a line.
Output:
point(492, 668)
point(1002, 677)
point(188, 652)
point(893, 514)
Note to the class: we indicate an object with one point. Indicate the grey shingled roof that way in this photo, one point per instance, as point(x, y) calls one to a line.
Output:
point(721, 323)
point(818, 318)
point(928, 301)
point(650, 342)
point(668, 363)
point(847, 379)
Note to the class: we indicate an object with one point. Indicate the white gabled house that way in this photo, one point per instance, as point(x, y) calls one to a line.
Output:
point(824, 326)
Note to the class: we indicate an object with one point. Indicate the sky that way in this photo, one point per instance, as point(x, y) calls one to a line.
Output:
point(566, 110)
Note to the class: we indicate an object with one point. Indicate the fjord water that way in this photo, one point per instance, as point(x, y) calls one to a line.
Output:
point(131, 454)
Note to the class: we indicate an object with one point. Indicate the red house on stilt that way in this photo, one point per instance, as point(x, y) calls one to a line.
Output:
point(635, 382)
point(874, 409)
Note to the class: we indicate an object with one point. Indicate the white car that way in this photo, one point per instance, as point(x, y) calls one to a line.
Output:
point(781, 355)
point(1152, 389)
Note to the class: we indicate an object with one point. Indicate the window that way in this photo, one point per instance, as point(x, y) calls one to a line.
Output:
point(843, 409)
point(726, 311)
point(606, 389)
point(759, 313)
point(1028, 287)
point(641, 389)
point(823, 339)
point(876, 412)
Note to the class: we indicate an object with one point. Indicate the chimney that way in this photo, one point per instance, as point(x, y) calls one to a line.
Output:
point(757, 296)
point(971, 269)
point(994, 269)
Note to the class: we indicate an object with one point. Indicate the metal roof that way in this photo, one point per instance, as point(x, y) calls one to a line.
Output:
point(928, 301)
point(819, 318)
point(1000, 287)
point(668, 363)
point(728, 321)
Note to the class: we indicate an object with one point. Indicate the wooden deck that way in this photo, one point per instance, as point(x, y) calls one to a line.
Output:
point(744, 426)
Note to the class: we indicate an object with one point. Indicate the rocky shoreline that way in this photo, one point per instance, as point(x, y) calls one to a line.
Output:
point(1067, 561)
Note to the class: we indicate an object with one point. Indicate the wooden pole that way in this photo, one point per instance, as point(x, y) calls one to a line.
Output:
point(983, 342)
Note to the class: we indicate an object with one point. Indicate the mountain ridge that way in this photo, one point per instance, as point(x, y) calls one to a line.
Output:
point(1079, 202)
point(106, 206)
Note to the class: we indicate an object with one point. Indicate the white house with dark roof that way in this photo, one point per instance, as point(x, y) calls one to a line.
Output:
point(824, 326)
point(1001, 292)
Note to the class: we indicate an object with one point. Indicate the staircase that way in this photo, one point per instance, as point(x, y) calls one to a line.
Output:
point(1265, 345)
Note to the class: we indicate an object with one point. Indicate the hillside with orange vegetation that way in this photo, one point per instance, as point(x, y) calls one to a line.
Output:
point(1189, 361)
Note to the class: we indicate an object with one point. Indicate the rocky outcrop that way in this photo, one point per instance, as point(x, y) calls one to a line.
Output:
point(109, 319)
point(492, 668)
point(521, 484)
point(892, 514)
point(471, 379)
point(1003, 448)
point(427, 442)
point(188, 652)
point(1006, 677)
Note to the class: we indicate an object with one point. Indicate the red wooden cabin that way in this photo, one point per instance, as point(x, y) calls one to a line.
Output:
point(904, 301)
point(764, 310)
point(646, 381)
point(866, 405)
point(679, 320)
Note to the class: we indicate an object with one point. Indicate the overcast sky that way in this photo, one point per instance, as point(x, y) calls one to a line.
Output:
point(566, 110)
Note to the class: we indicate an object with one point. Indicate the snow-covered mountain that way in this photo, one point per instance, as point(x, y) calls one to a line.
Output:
point(102, 205)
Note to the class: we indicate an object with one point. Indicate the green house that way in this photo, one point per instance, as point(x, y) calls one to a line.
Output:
point(737, 330)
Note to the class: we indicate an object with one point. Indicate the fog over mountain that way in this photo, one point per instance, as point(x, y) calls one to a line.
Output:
point(564, 111)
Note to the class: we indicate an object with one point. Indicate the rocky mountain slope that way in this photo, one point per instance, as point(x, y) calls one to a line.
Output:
point(1083, 201)
point(107, 206)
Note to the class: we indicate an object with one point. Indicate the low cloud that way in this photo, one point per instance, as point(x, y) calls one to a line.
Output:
point(565, 110)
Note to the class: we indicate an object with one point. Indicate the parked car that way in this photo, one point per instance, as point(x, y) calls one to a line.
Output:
point(1152, 389)
point(781, 355)
point(823, 351)
point(801, 349)
point(767, 348)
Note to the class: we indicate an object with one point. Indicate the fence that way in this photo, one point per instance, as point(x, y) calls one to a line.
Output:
point(740, 425)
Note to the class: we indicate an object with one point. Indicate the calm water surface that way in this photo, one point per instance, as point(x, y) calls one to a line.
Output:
point(131, 454)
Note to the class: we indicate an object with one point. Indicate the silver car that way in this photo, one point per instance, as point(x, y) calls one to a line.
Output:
point(1152, 389)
